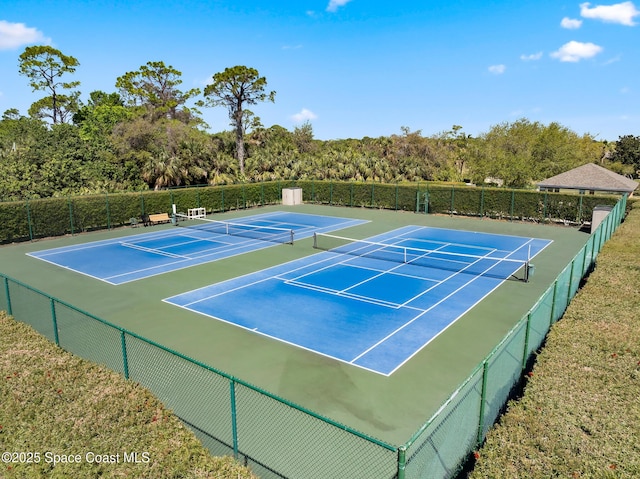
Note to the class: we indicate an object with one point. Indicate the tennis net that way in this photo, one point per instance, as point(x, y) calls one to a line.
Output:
point(494, 267)
point(258, 232)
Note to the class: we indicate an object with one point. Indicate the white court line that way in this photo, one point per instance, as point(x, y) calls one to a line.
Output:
point(214, 251)
point(151, 250)
point(393, 333)
point(390, 270)
point(361, 298)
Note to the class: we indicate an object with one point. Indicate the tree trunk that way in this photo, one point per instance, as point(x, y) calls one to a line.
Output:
point(239, 137)
point(240, 148)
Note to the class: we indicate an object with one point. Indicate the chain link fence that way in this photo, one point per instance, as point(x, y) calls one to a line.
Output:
point(279, 439)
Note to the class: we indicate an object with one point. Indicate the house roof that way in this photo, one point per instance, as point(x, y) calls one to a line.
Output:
point(590, 177)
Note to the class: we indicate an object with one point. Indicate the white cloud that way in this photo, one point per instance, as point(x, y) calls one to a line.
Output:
point(334, 4)
point(304, 115)
point(615, 59)
point(622, 13)
point(570, 23)
point(576, 51)
point(532, 57)
point(14, 35)
point(497, 69)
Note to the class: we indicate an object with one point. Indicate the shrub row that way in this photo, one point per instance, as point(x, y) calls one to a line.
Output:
point(41, 218)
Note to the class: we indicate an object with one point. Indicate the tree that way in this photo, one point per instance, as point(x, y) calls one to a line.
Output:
point(627, 152)
point(154, 88)
point(507, 153)
point(44, 66)
point(99, 116)
point(234, 88)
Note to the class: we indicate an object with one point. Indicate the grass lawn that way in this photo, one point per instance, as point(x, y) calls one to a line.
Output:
point(579, 416)
point(56, 407)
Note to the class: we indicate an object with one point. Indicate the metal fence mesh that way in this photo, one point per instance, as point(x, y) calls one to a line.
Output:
point(302, 444)
point(443, 446)
point(193, 392)
point(35, 308)
point(539, 321)
point(503, 371)
point(92, 340)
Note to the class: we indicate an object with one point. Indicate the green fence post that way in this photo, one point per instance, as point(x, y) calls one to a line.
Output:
point(402, 462)
point(106, 196)
point(262, 193)
point(453, 196)
point(55, 322)
point(526, 341)
point(396, 196)
point(29, 222)
point(234, 422)
point(418, 201)
point(125, 359)
point(612, 226)
point(373, 199)
point(482, 202)
point(70, 213)
point(553, 300)
point(331, 193)
point(513, 202)
point(544, 207)
point(583, 270)
point(6, 289)
point(142, 204)
point(483, 394)
point(579, 218)
point(351, 195)
point(198, 198)
point(222, 194)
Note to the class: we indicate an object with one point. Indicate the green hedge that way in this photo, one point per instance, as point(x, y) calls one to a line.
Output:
point(22, 221)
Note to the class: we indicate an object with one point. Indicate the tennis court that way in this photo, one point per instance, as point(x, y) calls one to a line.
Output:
point(370, 303)
point(198, 241)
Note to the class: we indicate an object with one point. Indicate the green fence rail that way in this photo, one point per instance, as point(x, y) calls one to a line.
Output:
point(29, 220)
point(279, 439)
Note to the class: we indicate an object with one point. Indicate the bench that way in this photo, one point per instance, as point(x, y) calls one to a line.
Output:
point(157, 219)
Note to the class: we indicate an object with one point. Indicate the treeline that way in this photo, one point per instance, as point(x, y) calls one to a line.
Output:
point(146, 136)
point(134, 154)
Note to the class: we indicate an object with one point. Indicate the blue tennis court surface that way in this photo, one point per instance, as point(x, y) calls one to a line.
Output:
point(373, 304)
point(130, 258)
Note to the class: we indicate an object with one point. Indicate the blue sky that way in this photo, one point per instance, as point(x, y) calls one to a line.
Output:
point(356, 68)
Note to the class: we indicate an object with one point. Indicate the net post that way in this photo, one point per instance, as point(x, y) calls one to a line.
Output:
point(527, 265)
point(291, 241)
point(315, 240)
